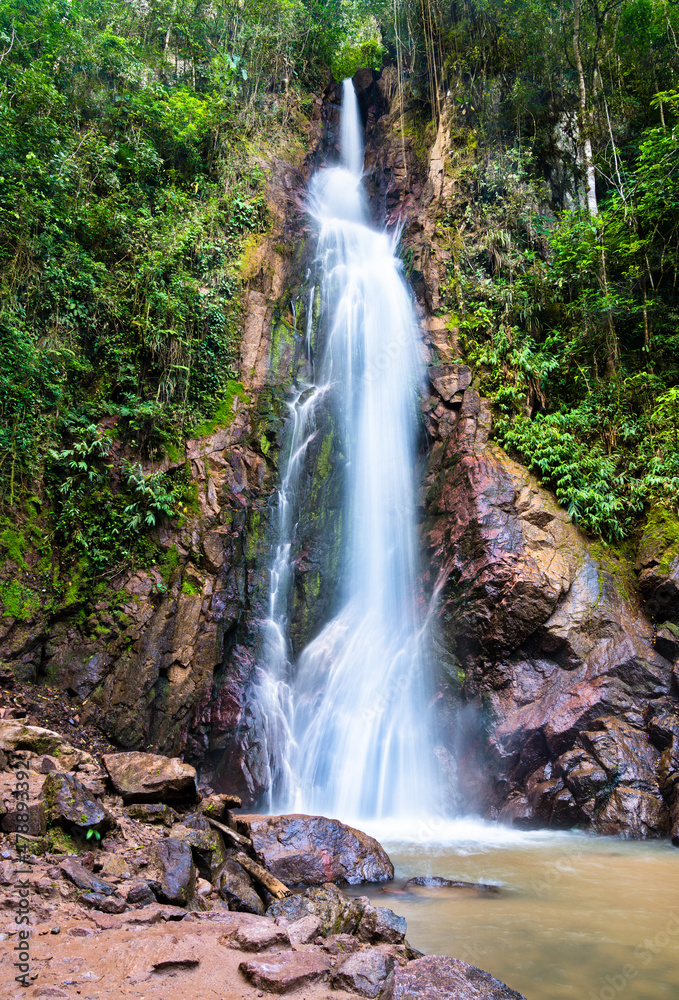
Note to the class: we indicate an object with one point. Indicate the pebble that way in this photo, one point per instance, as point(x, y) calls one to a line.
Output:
point(55, 930)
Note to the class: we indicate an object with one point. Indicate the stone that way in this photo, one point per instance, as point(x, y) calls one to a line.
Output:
point(84, 879)
point(152, 812)
point(146, 777)
point(260, 935)
point(140, 893)
point(341, 944)
point(217, 806)
point(313, 850)
point(364, 972)
point(235, 886)
point(450, 381)
point(658, 565)
point(70, 804)
point(304, 930)
point(437, 882)
point(15, 735)
point(287, 972)
point(379, 924)
point(33, 808)
point(337, 914)
point(107, 904)
point(435, 977)
point(630, 812)
point(178, 872)
point(667, 641)
point(205, 843)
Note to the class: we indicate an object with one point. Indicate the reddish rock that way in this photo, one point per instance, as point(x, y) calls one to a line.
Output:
point(552, 643)
point(313, 850)
point(437, 978)
point(287, 972)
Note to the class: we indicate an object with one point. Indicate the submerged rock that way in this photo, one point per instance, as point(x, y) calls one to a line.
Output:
point(436, 977)
point(313, 850)
point(437, 882)
point(147, 777)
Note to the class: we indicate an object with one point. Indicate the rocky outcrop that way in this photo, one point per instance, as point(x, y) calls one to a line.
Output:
point(313, 850)
point(555, 651)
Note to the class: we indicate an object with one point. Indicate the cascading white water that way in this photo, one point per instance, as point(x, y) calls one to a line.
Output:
point(359, 743)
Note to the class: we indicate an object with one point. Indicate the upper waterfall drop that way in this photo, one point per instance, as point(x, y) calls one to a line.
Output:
point(359, 741)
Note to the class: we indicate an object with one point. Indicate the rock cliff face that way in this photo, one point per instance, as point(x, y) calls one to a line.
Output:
point(558, 657)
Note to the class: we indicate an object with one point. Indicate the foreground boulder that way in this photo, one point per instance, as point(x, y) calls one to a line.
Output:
point(336, 913)
point(148, 777)
point(435, 977)
point(313, 850)
point(286, 972)
point(177, 871)
point(72, 805)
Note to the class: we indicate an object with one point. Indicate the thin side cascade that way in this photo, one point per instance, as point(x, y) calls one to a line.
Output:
point(358, 741)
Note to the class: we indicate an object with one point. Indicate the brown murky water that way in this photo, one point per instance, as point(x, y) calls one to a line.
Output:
point(577, 918)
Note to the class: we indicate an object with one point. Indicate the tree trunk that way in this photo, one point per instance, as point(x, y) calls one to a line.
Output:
point(585, 139)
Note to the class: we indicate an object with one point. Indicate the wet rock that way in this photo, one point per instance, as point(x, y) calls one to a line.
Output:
point(337, 914)
point(260, 935)
point(364, 973)
point(313, 850)
point(84, 879)
point(662, 722)
point(633, 813)
point(146, 777)
point(379, 924)
point(434, 977)
point(437, 882)
point(140, 894)
point(286, 972)
point(217, 806)
point(658, 564)
point(583, 775)
point(107, 904)
point(235, 886)
point(178, 872)
point(152, 812)
point(70, 804)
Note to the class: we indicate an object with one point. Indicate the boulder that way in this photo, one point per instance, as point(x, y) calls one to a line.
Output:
point(70, 804)
point(152, 812)
point(337, 914)
point(364, 973)
point(107, 904)
point(140, 894)
point(287, 972)
point(379, 924)
point(304, 930)
point(82, 878)
point(435, 977)
point(15, 735)
point(658, 564)
point(261, 934)
point(236, 888)
point(205, 843)
point(313, 850)
point(147, 777)
point(177, 871)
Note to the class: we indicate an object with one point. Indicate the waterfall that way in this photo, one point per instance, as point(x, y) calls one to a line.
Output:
point(356, 740)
